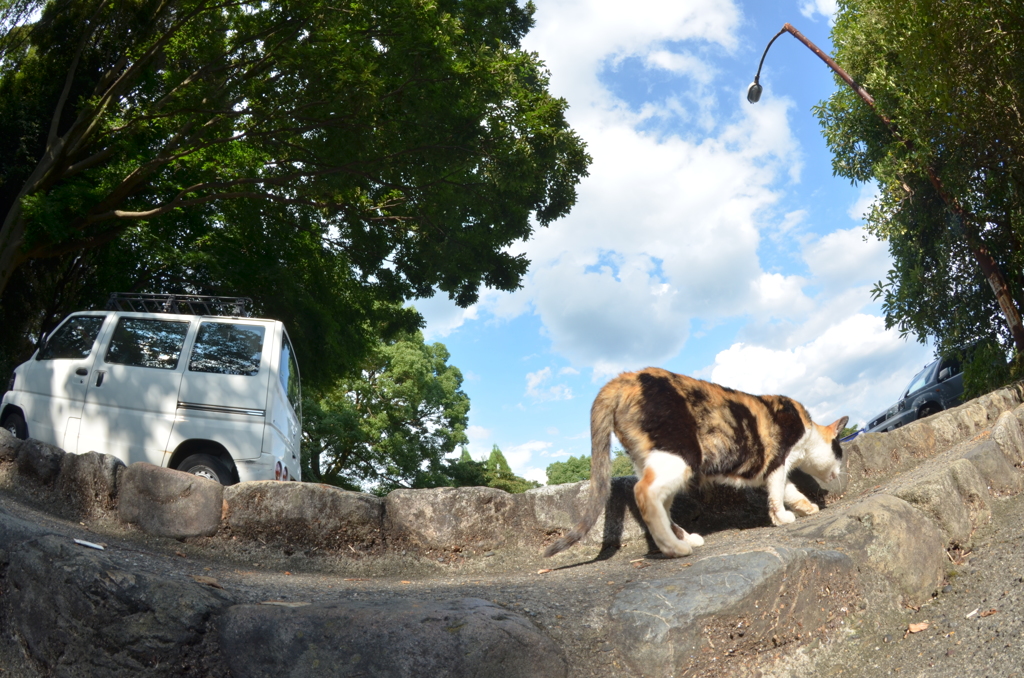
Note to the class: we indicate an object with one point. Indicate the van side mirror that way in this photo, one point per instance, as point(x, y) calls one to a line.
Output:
point(944, 374)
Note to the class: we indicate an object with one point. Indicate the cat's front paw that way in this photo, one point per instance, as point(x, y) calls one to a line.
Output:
point(805, 508)
point(694, 539)
point(783, 517)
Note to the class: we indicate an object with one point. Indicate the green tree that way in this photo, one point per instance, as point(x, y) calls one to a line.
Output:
point(575, 469)
point(500, 476)
point(949, 166)
point(393, 425)
point(408, 142)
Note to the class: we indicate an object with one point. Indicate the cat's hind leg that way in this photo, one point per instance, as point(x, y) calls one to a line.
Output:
point(798, 502)
point(776, 486)
point(664, 475)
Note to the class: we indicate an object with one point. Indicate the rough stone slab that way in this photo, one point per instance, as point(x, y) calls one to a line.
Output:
point(169, 503)
point(952, 493)
point(79, 613)
point(1009, 436)
point(876, 532)
point(660, 625)
point(8, 446)
point(559, 507)
point(308, 514)
point(987, 456)
point(447, 517)
point(399, 638)
point(38, 461)
point(87, 484)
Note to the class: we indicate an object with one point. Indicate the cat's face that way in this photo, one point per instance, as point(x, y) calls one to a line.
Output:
point(822, 454)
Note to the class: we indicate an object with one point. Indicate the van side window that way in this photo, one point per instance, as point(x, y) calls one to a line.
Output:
point(73, 340)
point(290, 377)
point(227, 348)
point(144, 342)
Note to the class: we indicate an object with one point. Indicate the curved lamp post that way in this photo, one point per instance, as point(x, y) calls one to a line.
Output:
point(988, 264)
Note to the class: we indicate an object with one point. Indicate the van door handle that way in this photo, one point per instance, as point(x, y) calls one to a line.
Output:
point(81, 371)
point(99, 377)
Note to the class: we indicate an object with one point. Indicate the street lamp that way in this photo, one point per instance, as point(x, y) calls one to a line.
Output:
point(755, 89)
point(988, 264)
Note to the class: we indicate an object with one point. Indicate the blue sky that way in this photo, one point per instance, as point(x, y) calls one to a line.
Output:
point(710, 238)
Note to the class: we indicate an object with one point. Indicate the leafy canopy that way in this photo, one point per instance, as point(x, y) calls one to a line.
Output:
point(947, 74)
point(400, 146)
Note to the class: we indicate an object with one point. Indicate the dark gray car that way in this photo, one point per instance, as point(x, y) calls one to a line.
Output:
point(937, 387)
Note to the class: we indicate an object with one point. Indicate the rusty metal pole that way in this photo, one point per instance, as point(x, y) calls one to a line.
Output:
point(988, 264)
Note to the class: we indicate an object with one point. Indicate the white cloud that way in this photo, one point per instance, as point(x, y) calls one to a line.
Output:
point(442, 315)
point(848, 257)
point(539, 390)
point(862, 206)
point(826, 8)
point(520, 458)
point(855, 367)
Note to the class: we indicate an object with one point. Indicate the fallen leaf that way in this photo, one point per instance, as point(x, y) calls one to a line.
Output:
point(637, 560)
point(179, 553)
point(915, 628)
point(406, 582)
point(989, 613)
point(209, 581)
point(544, 571)
point(287, 573)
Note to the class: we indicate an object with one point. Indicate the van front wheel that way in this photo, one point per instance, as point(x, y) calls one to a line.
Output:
point(207, 466)
point(15, 423)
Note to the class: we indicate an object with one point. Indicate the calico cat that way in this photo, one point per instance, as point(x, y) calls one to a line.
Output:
point(678, 430)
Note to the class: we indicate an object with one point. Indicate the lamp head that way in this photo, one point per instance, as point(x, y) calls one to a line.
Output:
point(754, 92)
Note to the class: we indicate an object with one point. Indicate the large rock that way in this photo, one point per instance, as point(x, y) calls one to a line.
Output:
point(878, 531)
point(398, 638)
point(744, 601)
point(87, 484)
point(38, 461)
point(82, 613)
point(305, 514)
point(453, 517)
point(951, 491)
point(989, 458)
point(1009, 435)
point(555, 509)
point(169, 503)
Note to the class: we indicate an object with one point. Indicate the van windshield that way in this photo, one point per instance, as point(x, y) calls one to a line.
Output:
point(72, 340)
point(228, 348)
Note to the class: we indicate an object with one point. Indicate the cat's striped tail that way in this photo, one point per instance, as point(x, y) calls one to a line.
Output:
point(602, 421)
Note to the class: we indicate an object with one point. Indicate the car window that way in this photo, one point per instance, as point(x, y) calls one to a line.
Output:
point(144, 342)
point(72, 340)
point(290, 376)
point(227, 348)
point(920, 380)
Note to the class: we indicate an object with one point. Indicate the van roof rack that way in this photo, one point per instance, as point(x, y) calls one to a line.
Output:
point(195, 304)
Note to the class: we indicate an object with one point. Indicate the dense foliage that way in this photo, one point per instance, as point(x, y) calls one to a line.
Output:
point(575, 469)
point(328, 160)
point(391, 425)
point(947, 75)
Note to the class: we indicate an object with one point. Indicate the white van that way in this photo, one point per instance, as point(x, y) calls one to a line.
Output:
point(214, 395)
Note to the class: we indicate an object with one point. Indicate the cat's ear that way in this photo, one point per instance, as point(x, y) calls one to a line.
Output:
point(838, 425)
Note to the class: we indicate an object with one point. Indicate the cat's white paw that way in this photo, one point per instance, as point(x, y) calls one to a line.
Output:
point(694, 539)
point(805, 508)
point(783, 517)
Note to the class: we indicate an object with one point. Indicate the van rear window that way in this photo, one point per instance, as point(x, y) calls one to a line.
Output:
point(143, 342)
point(228, 348)
point(72, 340)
